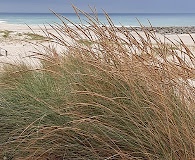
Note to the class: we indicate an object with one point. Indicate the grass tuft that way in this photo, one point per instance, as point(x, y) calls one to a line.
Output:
point(109, 95)
point(6, 33)
point(34, 36)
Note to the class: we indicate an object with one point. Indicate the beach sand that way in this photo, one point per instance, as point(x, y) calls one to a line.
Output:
point(15, 46)
point(19, 42)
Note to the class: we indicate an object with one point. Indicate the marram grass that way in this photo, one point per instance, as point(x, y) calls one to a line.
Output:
point(109, 95)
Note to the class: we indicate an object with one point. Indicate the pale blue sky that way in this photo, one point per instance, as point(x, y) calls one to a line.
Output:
point(110, 6)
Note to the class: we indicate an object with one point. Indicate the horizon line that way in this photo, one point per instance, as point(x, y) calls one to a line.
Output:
point(101, 12)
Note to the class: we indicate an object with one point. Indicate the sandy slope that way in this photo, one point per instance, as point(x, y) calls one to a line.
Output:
point(19, 44)
point(17, 48)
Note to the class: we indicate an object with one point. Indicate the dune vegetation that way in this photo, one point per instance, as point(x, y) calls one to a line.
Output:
point(111, 94)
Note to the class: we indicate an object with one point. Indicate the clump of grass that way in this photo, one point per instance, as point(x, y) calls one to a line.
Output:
point(19, 34)
point(112, 99)
point(34, 36)
point(6, 33)
point(85, 42)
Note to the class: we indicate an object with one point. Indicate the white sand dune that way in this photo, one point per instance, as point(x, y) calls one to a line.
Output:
point(17, 48)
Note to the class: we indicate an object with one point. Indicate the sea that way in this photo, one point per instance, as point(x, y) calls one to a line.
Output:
point(118, 19)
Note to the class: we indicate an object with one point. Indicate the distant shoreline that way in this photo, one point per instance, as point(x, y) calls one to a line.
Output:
point(168, 30)
point(161, 30)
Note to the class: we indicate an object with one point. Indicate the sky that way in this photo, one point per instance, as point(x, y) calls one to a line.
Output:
point(110, 6)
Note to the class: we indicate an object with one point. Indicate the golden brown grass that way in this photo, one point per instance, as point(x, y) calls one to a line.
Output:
point(109, 95)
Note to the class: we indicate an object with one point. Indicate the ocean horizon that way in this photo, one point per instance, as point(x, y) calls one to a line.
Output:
point(119, 19)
